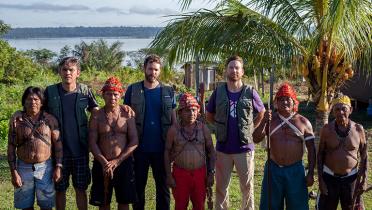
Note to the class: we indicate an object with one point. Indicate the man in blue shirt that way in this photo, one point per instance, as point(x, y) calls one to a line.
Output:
point(154, 104)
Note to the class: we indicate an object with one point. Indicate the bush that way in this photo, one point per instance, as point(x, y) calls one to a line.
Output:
point(14, 66)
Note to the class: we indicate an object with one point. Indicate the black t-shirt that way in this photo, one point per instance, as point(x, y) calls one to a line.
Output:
point(71, 143)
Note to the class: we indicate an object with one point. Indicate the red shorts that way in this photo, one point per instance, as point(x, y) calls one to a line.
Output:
point(190, 184)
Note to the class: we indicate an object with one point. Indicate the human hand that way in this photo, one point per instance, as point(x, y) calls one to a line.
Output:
point(110, 167)
point(309, 180)
point(16, 179)
point(129, 110)
point(57, 175)
point(171, 182)
point(268, 115)
point(210, 180)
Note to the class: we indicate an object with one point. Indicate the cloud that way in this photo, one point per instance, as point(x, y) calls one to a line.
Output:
point(108, 9)
point(143, 10)
point(45, 7)
point(136, 10)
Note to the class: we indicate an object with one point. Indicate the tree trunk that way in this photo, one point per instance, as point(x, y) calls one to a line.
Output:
point(262, 82)
point(320, 120)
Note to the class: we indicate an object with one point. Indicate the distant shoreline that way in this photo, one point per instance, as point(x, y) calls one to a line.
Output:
point(86, 32)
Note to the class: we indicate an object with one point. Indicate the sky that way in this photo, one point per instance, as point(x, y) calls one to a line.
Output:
point(69, 13)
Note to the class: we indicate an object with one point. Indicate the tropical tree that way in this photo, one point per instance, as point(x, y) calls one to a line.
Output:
point(64, 52)
point(327, 36)
point(100, 55)
point(43, 57)
point(4, 27)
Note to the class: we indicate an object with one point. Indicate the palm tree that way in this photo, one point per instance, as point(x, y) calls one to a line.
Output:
point(327, 36)
point(100, 55)
point(4, 28)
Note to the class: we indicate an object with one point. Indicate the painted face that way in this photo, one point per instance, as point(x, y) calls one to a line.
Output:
point(33, 104)
point(111, 98)
point(69, 73)
point(341, 111)
point(189, 115)
point(234, 71)
point(152, 72)
point(284, 104)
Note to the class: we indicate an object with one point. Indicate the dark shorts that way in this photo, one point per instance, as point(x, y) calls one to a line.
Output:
point(78, 167)
point(339, 190)
point(287, 184)
point(123, 183)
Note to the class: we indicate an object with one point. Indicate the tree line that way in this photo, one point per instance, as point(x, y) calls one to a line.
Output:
point(58, 32)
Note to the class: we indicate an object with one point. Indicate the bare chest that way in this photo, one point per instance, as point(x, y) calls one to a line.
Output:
point(349, 143)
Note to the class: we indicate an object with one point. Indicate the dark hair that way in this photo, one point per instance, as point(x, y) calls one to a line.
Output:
point(151, 59)
point(69, 60)
point(33, 90)
point(234, 58)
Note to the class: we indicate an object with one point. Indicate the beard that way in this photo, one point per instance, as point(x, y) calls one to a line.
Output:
point(150, 78)
point(233, 77)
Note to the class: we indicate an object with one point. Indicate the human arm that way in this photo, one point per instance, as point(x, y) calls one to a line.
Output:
point(259, 107)
point(58, 149)
point(261, 130)
point(321, 155)
point(173, 117)
point(211, 153)
point(258, 118)
point(167, 157)
point(311, 154)
point(129, 148)
point(211, 108)
point(12, 158)
point(363, 151)
point(93, 139)
point(210, 117)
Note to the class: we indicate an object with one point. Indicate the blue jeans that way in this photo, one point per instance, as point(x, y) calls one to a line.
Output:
point(36, 178)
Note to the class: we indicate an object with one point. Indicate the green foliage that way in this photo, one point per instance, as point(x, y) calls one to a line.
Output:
point(3, 134)
point(4, 27)
point(14, 66)
point(64, 52)
point(100, 55)
point(43, 57)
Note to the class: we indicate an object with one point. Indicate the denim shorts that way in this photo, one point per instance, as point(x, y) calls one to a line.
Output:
point(36, 179)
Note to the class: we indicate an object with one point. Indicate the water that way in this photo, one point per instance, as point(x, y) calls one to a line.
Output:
point(55, 44)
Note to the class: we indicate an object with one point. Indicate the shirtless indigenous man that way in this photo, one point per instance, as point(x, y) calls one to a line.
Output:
point(288, 131)
point(112, 140)
point(33, 135)
point(342, 155)
point(187, 148)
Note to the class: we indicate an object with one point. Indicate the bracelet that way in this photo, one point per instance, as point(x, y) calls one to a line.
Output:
point(59, 165)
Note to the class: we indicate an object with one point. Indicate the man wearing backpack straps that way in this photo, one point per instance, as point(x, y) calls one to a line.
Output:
point(68, 102)
point(154, 104)
point(230, 109)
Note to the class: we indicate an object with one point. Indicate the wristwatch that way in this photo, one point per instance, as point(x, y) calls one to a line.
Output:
point(59, 165)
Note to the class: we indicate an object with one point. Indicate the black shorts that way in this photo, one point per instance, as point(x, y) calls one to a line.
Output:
point(78, 167)
point(123, 182)
point(339, 190)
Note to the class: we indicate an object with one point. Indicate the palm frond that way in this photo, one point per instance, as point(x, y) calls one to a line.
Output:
point(295, 16)
point(348, 24)
point(235, 29)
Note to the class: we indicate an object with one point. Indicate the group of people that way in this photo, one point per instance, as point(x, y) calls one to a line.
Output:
point(50, 139)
